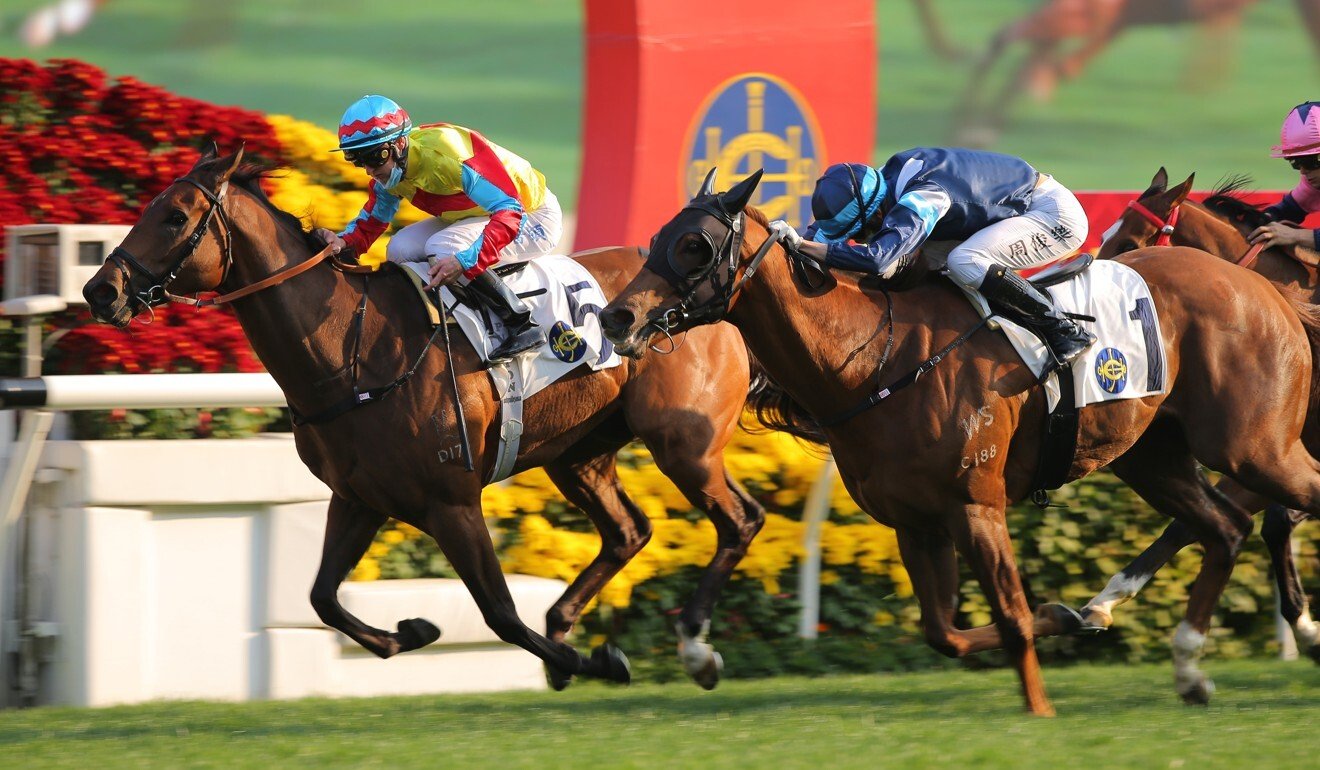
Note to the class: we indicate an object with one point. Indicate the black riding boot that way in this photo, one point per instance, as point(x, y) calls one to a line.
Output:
point(523, 333)
point(1011, 294)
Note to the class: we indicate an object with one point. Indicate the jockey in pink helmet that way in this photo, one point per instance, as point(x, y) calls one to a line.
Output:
point(488, 206)
point(1299, 144)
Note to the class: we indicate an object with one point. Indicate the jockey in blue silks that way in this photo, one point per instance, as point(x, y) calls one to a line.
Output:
point(1007, 216)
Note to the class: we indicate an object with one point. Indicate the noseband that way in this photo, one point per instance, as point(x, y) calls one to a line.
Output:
point(157, 294)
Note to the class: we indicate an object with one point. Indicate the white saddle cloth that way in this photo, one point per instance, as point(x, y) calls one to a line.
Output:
point(565, 300)
point(1127, 360)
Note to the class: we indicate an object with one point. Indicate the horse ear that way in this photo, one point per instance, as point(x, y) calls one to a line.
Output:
point(708, 186)
point(1160, 182)
point(736, 199)
point(1183, 189)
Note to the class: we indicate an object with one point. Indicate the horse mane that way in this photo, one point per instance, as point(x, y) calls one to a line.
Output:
point(248, 176)
point(1227, 202)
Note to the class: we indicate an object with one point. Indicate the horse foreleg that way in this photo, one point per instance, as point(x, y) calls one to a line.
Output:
point(932, 565)
point(982, 538)
point(460, 531)
point(594, 487)
point(1277, 531)
point(1161, 469)
point(1099, 612)
point(349, 530)
point(737, 518)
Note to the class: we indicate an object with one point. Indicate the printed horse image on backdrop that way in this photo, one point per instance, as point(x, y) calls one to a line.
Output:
point(392, 458)
point(1164, 216)
point(1049, 32)
point(1239, 367)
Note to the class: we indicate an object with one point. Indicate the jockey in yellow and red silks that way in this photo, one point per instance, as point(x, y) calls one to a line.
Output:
point(488, 206)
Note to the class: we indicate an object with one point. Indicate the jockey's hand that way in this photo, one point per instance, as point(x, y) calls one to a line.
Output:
point(1281, 234)
point(330, 238)
point(444, 270)
point(786, 234)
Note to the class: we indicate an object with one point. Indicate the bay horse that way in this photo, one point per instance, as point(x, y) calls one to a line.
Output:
point(1165, 216)
point(394, 458)
point(1239, 373)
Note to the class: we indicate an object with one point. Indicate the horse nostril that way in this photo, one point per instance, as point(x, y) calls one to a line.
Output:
point(100, 294)
point(618, 319)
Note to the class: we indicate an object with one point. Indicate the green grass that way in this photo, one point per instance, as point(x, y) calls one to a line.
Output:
point(513, 69)
point(1264, 715)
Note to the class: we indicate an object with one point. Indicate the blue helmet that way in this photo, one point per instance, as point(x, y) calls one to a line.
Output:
point(846, 195)
point(372, 120)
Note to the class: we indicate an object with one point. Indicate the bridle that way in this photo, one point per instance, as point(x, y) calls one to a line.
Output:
point(725, 283)
point(1166, 227)
point(158, 293)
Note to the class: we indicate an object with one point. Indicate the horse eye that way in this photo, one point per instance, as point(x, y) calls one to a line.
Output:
point(176, 218)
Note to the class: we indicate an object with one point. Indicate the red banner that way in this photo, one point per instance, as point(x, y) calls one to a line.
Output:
point(677, 87)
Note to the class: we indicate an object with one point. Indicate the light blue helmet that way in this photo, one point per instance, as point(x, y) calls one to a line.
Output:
point(846, 195)
point(372, 120)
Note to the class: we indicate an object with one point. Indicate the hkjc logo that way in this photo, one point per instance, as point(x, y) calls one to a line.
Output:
point(756, 121)
point(567, 345)
point(1111, 370)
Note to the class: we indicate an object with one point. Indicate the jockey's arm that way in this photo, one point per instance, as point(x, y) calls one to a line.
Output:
point(905, 228)
point(495, 192)
point(376, 215)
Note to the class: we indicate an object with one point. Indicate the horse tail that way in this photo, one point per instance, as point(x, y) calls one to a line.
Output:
point(776, 410)
point(1310, 318)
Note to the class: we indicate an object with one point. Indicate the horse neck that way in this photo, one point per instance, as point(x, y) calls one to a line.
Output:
point(286, 323)
point(807, 343)
point(1210, 233)
point(1201, 229)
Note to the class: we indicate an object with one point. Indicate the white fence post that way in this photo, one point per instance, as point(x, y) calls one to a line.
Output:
point(814, 514)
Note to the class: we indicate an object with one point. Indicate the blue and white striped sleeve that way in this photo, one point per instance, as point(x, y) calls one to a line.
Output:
point(907, 225)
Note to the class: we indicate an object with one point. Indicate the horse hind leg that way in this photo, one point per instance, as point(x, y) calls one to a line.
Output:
point(593, 486)
point(349, 530)
point(1098, 614)
point(1277, 531)
point(460, 531)
point(1161, 469)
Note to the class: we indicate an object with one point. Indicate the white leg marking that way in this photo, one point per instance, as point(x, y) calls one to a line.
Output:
point(1121, 588)
point(1187, 645)
point(1306, 630)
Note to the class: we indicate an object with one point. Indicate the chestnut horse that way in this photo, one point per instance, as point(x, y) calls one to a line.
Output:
point(394, 458)
point(1239, 373)
point(1163, 215)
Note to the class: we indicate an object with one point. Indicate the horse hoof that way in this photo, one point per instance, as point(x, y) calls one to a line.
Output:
point(609, 662)
point(559, 681)
point(1198, 693)
point(1094, 621)
point(1065, 619)
point(415, 633)
point(709, 675)
point(1314, 653)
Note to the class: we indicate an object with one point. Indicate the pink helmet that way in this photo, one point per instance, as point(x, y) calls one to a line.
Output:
point(1300, 134)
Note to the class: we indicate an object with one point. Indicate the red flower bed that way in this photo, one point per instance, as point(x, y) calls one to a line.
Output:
point(79, 149)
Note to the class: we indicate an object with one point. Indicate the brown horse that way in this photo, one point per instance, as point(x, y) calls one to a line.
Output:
point(1239, 363)
point(390, 458)
point(1165, 215)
